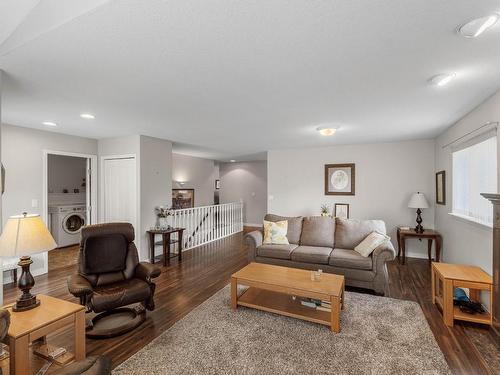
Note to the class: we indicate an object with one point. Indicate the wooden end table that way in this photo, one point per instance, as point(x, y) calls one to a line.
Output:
point(35, 324)
point(429, 234)
point(271, 289)
point(166, 235)
point(446, 277)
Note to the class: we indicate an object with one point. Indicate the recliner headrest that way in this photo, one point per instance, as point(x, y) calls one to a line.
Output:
point(125, 229)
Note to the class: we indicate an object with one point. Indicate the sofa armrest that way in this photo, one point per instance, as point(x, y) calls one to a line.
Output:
point(381, 255)
point(79, 286)
point(147, 271)
point(386, 250)
point(253, 240)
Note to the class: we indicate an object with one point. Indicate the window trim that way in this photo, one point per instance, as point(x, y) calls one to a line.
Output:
point(470, 220)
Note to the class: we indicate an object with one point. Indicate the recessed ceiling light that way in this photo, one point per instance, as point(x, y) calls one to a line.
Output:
point(49, 123)
point(442, 79)
point(476, 27)
point(232, 160)
point(326, 131)
point(87, 116)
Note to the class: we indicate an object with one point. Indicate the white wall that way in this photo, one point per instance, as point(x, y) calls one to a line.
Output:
point(65, 172)
point(245, 182)
point(196, 173)
point(386, 176)
point(156, 184)
point(465, 242)
point(22, 156)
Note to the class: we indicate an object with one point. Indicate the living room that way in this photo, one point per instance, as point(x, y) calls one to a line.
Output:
point(296, 187)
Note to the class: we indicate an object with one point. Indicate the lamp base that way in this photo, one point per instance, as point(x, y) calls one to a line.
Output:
point(419, 228)
point(27, 301)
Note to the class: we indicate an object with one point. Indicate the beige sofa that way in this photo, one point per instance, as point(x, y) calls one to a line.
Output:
point(324, 243)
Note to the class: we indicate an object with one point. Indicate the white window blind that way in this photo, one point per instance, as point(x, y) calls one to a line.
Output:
point(474, 172)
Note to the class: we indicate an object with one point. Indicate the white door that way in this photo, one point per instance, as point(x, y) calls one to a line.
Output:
point(120, 190)
point(88, 192)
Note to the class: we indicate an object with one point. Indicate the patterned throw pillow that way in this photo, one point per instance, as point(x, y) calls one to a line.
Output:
point(275, 232)
point(370, 243)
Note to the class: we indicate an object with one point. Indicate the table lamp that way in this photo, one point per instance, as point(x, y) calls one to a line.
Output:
point(22, 236)
point(418, 201)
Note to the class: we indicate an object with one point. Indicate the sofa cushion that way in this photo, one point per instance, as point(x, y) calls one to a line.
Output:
point(349, 233)
point(276, 251)
point(311, 254)
point(275, 232)
point(294, 226)
point(350, 259)
point(318, 231)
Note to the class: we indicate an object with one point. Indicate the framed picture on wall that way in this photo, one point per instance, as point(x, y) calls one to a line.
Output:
point(182, 198)
point(217, 184)
point(441, 187)
point(340, 179)
point(341, 210)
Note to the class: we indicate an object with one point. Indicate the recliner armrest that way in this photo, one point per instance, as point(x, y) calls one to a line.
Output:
point(79, 286)
point(147, 271)
point(94, 365)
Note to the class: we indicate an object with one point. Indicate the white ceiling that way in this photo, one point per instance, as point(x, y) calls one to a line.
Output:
point(228, 78)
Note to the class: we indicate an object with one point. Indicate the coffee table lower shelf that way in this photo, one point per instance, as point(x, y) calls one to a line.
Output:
point(282, 304)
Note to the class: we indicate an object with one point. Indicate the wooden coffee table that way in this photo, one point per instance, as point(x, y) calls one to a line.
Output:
point(271, 289)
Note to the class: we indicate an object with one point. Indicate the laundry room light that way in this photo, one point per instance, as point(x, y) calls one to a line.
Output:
point(23, 236)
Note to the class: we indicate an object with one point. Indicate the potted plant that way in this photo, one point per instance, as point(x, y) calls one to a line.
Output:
point(162, 214)
point(325, 210)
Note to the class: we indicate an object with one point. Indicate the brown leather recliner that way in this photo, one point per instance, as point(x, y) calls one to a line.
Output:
point(109, 272)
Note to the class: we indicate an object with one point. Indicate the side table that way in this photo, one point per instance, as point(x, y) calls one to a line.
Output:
point(166, 242)
point(429, 234)
point(34, 325)
point(446, 276)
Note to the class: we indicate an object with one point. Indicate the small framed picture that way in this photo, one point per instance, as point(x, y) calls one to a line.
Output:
point(339, 179)
point(342, 210)
point(441, 187)
point(217, 184)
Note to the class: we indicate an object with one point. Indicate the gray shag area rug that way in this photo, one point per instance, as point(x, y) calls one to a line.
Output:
point(378, 336)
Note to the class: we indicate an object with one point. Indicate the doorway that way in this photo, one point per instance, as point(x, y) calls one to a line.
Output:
point(68, 203)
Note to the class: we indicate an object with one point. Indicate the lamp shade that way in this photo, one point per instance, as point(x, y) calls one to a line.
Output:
point(25, 235)
point(418, 200)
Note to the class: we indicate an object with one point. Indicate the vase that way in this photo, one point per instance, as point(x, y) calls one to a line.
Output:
point(163, 222)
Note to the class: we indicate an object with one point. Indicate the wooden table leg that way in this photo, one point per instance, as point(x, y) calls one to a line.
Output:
point(398, 235)
point(403, 249)
point(429, 249)
point(335, 314)
point(165, 244)
point(152, 248)
point(80, 352)
point(439, 244)
point(342, 301)
point(234, 293)
point(448, 302)
point(19, 355)
point(433, 285)
point(180, 244)
point(167, 240)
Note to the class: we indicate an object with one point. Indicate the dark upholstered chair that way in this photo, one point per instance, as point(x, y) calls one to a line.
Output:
point(110, 275)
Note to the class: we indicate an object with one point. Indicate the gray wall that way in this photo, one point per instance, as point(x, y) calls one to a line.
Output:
point(465, 242)
point(65, 172)
point(22, 156)
point(245, 182)
point(198, 174)
point(386, 176)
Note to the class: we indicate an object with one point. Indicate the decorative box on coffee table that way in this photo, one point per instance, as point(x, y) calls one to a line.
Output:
point(446, 277)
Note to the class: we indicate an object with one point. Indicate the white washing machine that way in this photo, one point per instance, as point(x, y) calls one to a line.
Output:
point(66, 223)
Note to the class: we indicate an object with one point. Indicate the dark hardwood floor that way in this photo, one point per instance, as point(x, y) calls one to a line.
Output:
point(468, 348)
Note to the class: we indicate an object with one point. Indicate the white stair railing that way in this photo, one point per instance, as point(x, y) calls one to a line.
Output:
point(208, 223)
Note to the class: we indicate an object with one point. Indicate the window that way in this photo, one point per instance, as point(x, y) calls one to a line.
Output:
point(475, 172)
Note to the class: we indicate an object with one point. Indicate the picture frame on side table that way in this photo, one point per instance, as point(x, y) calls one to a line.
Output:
point(341, 210)
point(340, 179)
point(441, 187)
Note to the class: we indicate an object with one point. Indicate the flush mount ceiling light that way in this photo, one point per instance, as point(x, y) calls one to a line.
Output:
point(232, 161)
point(88, 116)
point(442, 79)
point(325, 131)
point(49, 123)
point(476, 27)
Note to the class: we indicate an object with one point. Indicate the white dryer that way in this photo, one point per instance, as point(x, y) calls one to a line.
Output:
point(67, 222)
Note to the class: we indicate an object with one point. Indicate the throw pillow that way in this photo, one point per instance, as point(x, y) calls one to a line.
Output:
point(370, 243)
point(275, 232)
